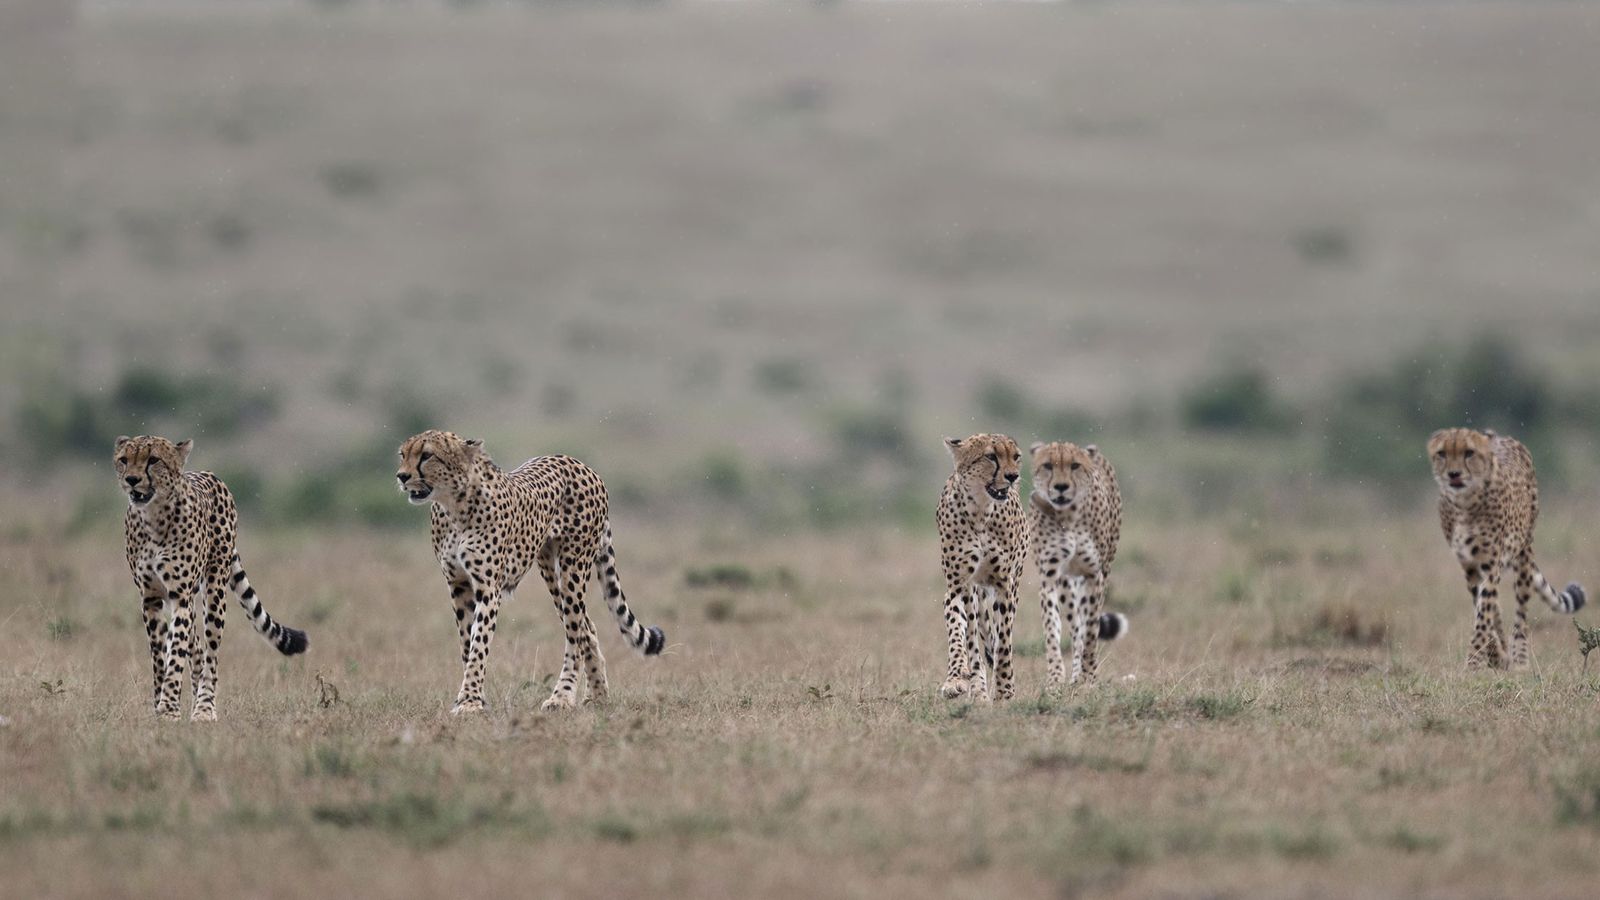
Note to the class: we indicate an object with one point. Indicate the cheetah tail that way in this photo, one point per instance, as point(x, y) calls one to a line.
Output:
point(648, 641)
point(1568, 601)
point(1113, 626)
point(289, 641)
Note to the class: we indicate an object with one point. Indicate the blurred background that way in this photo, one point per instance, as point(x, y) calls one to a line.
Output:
point(752, 261)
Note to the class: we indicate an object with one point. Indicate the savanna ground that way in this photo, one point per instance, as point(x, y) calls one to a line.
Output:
point(737, 257)
point(1288, 715)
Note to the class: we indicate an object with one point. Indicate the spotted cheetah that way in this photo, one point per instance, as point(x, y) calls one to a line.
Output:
point(1488, 504)
point(982, 544)
point(490, 526)
point(1075, 519)
point(182, 533)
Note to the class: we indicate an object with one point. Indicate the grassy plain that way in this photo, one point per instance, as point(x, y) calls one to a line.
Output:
point(751, 261)
point(1289, 715)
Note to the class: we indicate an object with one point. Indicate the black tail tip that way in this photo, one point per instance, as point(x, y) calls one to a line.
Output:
point(654, 640)
point(1113, 626)
point(1575, 597)
point(292, 641)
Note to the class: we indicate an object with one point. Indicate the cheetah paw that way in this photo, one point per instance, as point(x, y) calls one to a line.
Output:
point(558, 702)
point(953, 688)
point(466, 706)
point(203, 715)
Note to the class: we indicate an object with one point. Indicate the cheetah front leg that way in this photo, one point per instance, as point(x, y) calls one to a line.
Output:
point(1078, 616)
point(1090, 614)
point(176, 650)
point(156, 628)
point(980, 640)
point(1050, 605)
point(957, 679)
point(1488, 637)
point(486, 610)
point(464, 601)
point(1005, 620)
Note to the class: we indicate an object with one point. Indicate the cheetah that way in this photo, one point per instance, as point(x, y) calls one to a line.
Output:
point(491, 526)
point(1075, 519)
point(182, 533)
point(982, 545)
point(1488, 504)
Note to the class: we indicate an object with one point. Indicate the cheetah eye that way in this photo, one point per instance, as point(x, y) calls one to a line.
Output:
point(1469, 454)
point(1048, 467)
point(423, 457)
point(1440, 454)
point(993, 458)
point(1076, 466)
point(122, 460)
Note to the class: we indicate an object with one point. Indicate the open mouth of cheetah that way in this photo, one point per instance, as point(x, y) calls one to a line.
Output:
point(997, 493)
point(1457, 483)
point(139, 497)
point(418, 492)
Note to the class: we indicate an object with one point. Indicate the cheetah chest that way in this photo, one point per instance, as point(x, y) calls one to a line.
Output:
point(1068, 552)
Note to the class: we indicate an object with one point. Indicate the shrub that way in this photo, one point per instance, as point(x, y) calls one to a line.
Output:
point(1236, 399)
point(1381, 421)
point(783, 376)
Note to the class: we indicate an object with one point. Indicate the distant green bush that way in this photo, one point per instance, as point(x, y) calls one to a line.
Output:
point(784, 376)
point(1380, 421)
point(58, 417)
point(1238, 398)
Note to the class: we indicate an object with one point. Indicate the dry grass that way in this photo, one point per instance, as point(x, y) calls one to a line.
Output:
point(798, 748)
point(685, 241)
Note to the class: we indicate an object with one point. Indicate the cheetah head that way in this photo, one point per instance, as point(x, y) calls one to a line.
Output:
point(436, 459)
point(988, 462)
point(1463, 460)
point(149, 466)
point(1062, 473)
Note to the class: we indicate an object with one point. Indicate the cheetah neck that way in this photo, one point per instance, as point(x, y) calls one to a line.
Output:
point(485, 484)
point(1472, 502)
point(160, 515)
point(1067, 515)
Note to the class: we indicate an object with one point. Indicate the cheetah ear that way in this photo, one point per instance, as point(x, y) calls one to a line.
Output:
point(474, 447)
point(183, 451)
point(953, 445)
point(1435, 438)
point(1035, 447)
point(122, 439)
point(1092, 450)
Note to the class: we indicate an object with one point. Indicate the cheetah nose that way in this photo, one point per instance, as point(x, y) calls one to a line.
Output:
point(1011, 476)
point(403, 476)
point(132, 479)
point(1061, 488)
point(1453, 475)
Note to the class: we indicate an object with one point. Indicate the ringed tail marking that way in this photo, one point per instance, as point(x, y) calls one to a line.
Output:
point(1113, 626)
point(650, 641)
point(1568, 601)
point(289, 641)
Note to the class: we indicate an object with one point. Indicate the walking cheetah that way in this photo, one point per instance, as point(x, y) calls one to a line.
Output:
point(982, 544)
point(183, 531)
point(1075, 519)
point(1488, 504)
point(490, 526)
